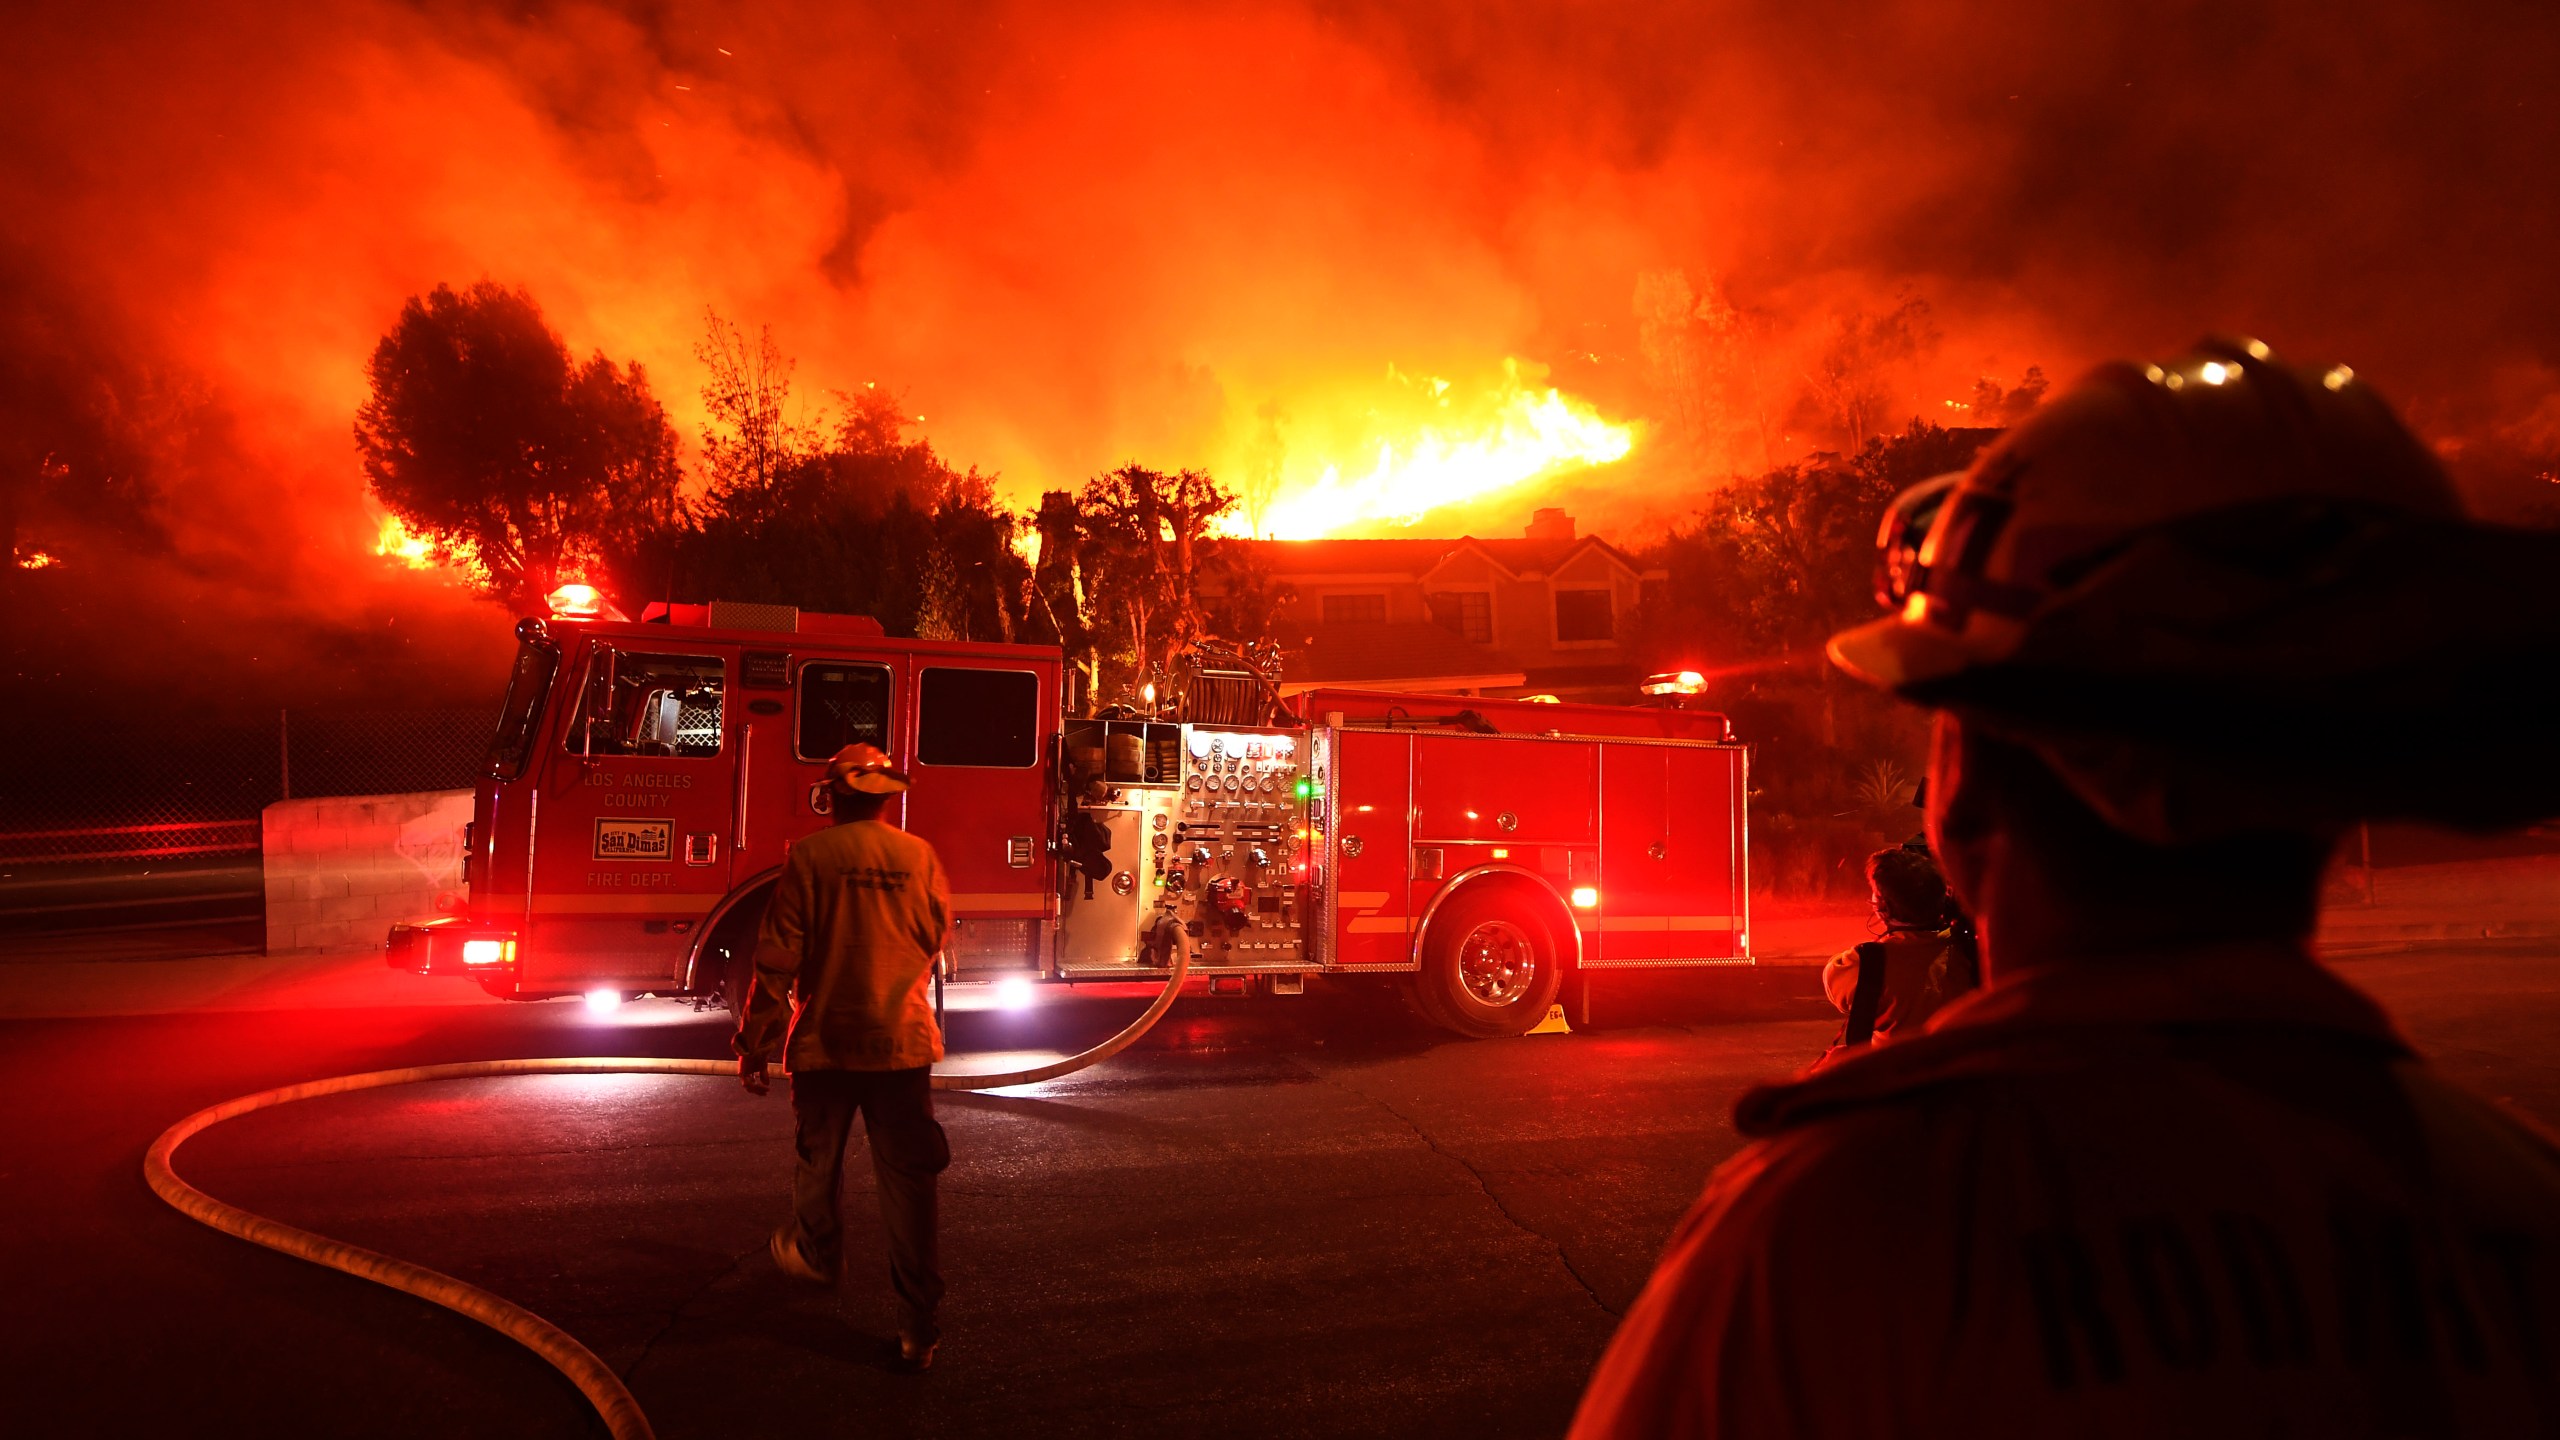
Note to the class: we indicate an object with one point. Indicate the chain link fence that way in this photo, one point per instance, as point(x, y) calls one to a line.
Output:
point(171, 792)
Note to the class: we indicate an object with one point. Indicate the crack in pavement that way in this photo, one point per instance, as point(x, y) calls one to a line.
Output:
point(1482, 1183)
point(676, 1312)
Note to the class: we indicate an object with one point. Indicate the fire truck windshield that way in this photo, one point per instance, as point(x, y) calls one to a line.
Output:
point(528, 684)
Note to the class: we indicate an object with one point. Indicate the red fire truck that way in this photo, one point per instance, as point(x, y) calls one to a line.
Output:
point(647, 777)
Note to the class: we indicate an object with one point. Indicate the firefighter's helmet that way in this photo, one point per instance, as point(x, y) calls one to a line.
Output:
point(864, 770)
point(2226, 593)
point(1971, 563)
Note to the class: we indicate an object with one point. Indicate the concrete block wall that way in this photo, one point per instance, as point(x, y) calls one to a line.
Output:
point(340, 870)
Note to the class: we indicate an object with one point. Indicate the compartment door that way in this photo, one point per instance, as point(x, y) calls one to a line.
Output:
point(1704, 854)
point(1637, 888)
point(1372, 833)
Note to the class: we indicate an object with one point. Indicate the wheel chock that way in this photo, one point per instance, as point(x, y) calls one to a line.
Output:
point(1553, 1024)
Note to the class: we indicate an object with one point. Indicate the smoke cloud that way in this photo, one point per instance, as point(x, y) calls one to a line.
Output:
point(1246, 236)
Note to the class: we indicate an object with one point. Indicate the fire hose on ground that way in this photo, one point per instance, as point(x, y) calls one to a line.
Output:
point(604, 1389)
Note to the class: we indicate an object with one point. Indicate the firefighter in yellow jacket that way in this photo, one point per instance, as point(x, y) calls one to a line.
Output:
point(846, 954)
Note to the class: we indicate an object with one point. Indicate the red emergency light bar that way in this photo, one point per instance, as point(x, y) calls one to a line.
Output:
point(577, 601)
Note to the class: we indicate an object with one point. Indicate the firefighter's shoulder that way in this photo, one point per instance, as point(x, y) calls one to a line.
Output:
point(1796, 1269)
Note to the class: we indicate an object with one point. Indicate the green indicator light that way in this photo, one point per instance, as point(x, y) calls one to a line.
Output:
point(1306, 788)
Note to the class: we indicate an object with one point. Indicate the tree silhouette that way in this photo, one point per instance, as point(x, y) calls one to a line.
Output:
point(1848, 382)
point(1145, 533)
point(750, 442)
point(863, 521)
point(517, 462)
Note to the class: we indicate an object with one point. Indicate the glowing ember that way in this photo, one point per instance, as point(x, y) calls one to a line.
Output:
point(36, 560)
point(1442, 448)
point(397, 542)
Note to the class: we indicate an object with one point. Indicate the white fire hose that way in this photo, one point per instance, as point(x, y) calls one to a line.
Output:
point(603, 1388)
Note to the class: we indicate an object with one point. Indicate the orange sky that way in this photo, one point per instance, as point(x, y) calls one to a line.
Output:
point(1240, 236)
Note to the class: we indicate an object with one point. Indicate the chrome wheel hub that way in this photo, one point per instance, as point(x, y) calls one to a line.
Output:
point(1496, 963)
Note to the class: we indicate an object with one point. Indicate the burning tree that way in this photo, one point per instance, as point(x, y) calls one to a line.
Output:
point(515, 461)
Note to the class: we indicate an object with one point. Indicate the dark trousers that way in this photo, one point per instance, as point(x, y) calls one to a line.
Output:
point(908, 1149)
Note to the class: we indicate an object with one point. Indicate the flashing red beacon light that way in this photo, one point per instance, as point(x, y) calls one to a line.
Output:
point(577, 601)
point(1675, 682)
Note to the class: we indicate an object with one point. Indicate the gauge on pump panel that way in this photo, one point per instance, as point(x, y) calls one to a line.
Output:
point(1201, 744)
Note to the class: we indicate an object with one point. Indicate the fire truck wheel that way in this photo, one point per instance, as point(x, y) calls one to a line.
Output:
point(732, 947)
point(1489, 965)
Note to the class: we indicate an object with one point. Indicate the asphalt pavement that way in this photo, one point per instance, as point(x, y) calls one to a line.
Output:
point(1277, 1217)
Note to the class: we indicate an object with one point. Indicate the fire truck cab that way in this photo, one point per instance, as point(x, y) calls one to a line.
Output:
point(648, 777)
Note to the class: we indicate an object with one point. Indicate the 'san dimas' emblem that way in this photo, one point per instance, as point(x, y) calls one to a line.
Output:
point(635, 839)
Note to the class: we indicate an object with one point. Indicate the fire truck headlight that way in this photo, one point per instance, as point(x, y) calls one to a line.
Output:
point(1014, 993)
point(603, 1002)
point(486, 952)
point(1586, 897)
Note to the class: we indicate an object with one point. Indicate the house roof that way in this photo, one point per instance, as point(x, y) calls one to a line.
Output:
point(1411, 654)
point(1418, 557)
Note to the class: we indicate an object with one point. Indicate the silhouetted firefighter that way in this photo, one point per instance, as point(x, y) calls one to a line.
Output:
point(2165, 1174)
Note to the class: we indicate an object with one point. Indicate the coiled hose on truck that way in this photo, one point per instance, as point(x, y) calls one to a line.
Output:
point(603, 1388)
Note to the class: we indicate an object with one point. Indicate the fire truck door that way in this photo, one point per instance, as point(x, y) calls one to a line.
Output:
point(1704, 855)
point(981, 795)
point(1373, 837)
point(635, 820)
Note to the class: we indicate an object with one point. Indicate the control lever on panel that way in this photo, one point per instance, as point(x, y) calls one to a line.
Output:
point(1229, 902)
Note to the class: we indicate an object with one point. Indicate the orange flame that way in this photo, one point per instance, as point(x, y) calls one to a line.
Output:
point(396, 541)
point(1422, 444)
point(36, 560)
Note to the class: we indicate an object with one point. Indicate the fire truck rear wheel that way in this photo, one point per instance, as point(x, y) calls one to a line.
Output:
point(1489, 965)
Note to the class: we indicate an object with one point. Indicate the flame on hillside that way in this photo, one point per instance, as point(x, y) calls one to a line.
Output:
point(397, 542)
point(36, 560)
point(1427, 443)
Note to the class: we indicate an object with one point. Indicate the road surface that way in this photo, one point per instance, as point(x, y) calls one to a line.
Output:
point(1275, 1218)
